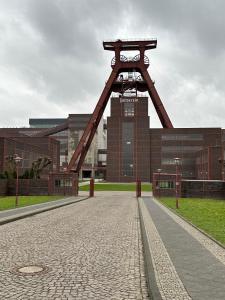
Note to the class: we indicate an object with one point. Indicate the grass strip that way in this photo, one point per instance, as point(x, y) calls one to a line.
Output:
point(207, 214)
point(117, 187)
point(9, 201)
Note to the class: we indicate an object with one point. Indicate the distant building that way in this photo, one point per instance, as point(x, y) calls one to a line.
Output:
point(69, 140)
point(94, 164)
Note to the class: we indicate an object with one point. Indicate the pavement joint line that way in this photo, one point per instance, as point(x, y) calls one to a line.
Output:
point(169, 284)
point(213, 246)
point(143, 280)
point(152, 287)
point(38, 211)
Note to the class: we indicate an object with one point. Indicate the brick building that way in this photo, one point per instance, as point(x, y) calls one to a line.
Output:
point(68, 140)
point(135, 151)
point(29, 149)
point(186, 144)
point(40, 124)
point(128, 143)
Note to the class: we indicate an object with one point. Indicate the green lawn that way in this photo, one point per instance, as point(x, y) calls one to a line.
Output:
point(117, 187)
point(207, 214)
point(9, 201)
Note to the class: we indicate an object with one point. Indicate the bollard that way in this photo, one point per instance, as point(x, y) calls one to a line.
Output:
point(91, 191)
point(138, 188)
point(75, 187)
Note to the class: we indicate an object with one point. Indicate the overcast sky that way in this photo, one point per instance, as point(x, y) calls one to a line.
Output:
point(52, 62)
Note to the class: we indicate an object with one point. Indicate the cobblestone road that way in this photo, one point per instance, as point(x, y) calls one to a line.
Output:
point(91, 250)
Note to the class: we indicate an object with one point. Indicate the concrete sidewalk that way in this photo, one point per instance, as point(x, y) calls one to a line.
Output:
point(14, 214)
point(186, 263)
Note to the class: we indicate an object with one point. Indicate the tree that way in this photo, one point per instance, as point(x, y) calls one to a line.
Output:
point(10, 167)
point(38, 166)
point(33, 173)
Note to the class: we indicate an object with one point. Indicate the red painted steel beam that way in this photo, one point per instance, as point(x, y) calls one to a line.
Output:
point(53, 130)
point(85, 149)
point(90, 138)
point(129, 45)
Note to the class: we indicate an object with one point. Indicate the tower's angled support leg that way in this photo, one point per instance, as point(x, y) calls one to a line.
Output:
point(85, 150)
point(163, 116)
point(86, 139)
point(90, 138)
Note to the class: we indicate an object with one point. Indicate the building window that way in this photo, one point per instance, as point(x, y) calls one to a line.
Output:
point(76, 139)
point(57, 182)
point(127, 148)
point(63, 183)
point(180, 149)
point(165, 184)
point(128, 109)
point(68, 182)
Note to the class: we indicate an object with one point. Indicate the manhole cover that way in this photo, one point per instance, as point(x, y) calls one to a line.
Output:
point(30, 269)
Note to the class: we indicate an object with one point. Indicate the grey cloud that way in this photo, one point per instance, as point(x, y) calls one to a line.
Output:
point(71, 27)
point(62, 56)
point(54, 48)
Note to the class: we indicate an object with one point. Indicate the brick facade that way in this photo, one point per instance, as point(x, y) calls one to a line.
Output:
point(29, 149)
point(186, 143)
point(128, 144)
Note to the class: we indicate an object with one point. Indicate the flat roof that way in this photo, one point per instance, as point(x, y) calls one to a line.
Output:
point(50, 121)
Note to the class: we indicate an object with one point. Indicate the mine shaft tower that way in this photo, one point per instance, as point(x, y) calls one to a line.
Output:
point(117, 83)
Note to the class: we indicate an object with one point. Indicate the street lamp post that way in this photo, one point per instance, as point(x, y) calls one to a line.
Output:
point(17, 160)
point(177, 162)
point(159, 187)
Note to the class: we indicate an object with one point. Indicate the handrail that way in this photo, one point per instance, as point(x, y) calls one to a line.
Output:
point(136, 58)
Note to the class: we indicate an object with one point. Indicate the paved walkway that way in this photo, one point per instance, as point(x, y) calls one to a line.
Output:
point(187, 264)
point(91, 250)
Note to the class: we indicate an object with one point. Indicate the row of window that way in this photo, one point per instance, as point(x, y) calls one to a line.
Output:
point(63, 183)
point(128, 109)
point(183, 161)
point(127, 150)
point(165, 184)
point(179, 148)
point(182, 137)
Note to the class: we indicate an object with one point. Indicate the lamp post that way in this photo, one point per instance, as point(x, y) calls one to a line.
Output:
point(177, 162)
point(159, 187)
point(17, 160)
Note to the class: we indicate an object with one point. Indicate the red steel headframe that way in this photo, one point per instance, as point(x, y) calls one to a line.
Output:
point(120, 64)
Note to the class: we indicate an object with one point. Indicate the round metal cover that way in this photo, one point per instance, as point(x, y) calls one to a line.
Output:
point(30, 269)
